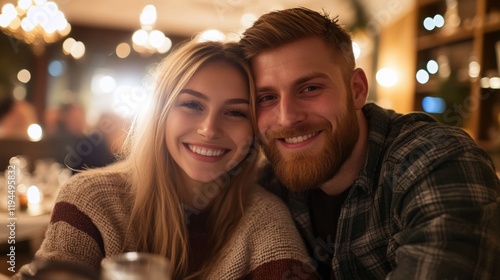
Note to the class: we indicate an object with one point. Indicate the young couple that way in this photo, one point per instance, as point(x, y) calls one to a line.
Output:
point(374, 194)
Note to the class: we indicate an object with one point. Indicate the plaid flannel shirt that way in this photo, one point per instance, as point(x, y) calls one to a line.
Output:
point(425, 206)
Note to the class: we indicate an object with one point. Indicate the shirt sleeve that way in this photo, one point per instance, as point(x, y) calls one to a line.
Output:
point(447, 212)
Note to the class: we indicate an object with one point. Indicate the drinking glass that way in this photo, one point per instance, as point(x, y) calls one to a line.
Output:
point(135, 266)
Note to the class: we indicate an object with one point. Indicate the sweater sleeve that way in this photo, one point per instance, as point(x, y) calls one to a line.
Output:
point(266, 245)
point(84, 225)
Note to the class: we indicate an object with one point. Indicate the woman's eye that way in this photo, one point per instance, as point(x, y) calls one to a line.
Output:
point(192, 105)
point(237, 113)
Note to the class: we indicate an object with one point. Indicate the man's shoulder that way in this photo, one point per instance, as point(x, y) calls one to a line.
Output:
point(420, 132)
point(417, 146)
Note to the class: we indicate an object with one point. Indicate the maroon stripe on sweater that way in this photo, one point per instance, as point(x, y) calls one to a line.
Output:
point(282, 269)
point(68, 213)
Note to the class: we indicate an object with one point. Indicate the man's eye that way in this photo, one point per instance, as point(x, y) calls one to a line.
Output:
point(192, 105)
point(310, 88)
point(265, 98)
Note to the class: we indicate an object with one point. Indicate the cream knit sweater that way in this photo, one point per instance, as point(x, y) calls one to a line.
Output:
point(91, 215)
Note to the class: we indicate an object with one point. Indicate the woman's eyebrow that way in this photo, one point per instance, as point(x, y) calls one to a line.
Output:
point(204, 97)
point(194, 93)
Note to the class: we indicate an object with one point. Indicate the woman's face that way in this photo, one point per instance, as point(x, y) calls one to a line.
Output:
point(208, 129)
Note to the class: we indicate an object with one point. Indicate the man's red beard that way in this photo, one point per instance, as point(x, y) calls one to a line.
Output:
point(304, 170)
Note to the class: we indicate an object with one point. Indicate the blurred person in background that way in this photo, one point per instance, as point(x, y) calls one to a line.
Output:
point(75, 143)
point(114, 129)
point(15, 118)
point(185, 188)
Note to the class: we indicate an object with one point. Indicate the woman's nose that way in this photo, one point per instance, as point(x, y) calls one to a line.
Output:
point(209, 127)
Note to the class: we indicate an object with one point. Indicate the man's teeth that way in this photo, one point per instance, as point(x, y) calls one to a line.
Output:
point(205, 151)
point(299, 139)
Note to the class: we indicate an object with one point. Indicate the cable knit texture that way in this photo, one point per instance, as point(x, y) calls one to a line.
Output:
point(91, 214)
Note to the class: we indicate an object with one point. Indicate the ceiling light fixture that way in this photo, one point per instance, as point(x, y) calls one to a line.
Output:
point(35, 22)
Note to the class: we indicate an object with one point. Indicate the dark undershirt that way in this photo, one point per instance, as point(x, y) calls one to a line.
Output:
point(325, 213)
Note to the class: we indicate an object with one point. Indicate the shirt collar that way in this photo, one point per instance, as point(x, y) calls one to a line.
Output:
point(378, 128)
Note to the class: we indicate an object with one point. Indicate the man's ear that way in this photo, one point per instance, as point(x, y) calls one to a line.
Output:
point(359, 88)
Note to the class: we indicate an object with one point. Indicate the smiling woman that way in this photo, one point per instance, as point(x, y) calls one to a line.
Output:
point(209, 130)
point(185, 188)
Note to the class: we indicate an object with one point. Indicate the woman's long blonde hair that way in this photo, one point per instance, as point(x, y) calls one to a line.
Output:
point(158, 223)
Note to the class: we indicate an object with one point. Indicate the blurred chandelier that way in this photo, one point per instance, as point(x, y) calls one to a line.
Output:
point(35, 22)
point(147, 40)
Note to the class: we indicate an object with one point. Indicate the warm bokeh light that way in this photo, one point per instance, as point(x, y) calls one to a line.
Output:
point(77, 50)
point(140, 37)
point(148, 16)
point(34, 195)
point(19, 92)
point(211, 35)
point(35, 132)
point(67, 45)
point(123, 50)
point(24, 76)
point(387, 77)
point(147, 40)
point(156, 39)
point(495, 82)
point(24, 4)
point(107, 84)
point(485, 82)
point(167, 44)
point(34, 22)
point(8, 14)
point(248, 19)
point(474, 69)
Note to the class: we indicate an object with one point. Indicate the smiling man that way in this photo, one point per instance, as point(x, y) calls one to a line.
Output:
point(375, 194)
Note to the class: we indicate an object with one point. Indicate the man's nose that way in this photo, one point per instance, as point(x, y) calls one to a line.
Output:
point(289, 112)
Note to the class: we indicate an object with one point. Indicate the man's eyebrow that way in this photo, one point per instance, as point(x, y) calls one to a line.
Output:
point(204, 97)
point(308, 77)
point(298, 81)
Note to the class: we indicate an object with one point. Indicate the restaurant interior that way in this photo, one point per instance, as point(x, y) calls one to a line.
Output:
point(74, 74)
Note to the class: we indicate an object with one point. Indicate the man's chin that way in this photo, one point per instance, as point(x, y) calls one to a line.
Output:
point(301, 174)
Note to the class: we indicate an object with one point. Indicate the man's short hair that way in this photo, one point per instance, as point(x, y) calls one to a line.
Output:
point(278, 28)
